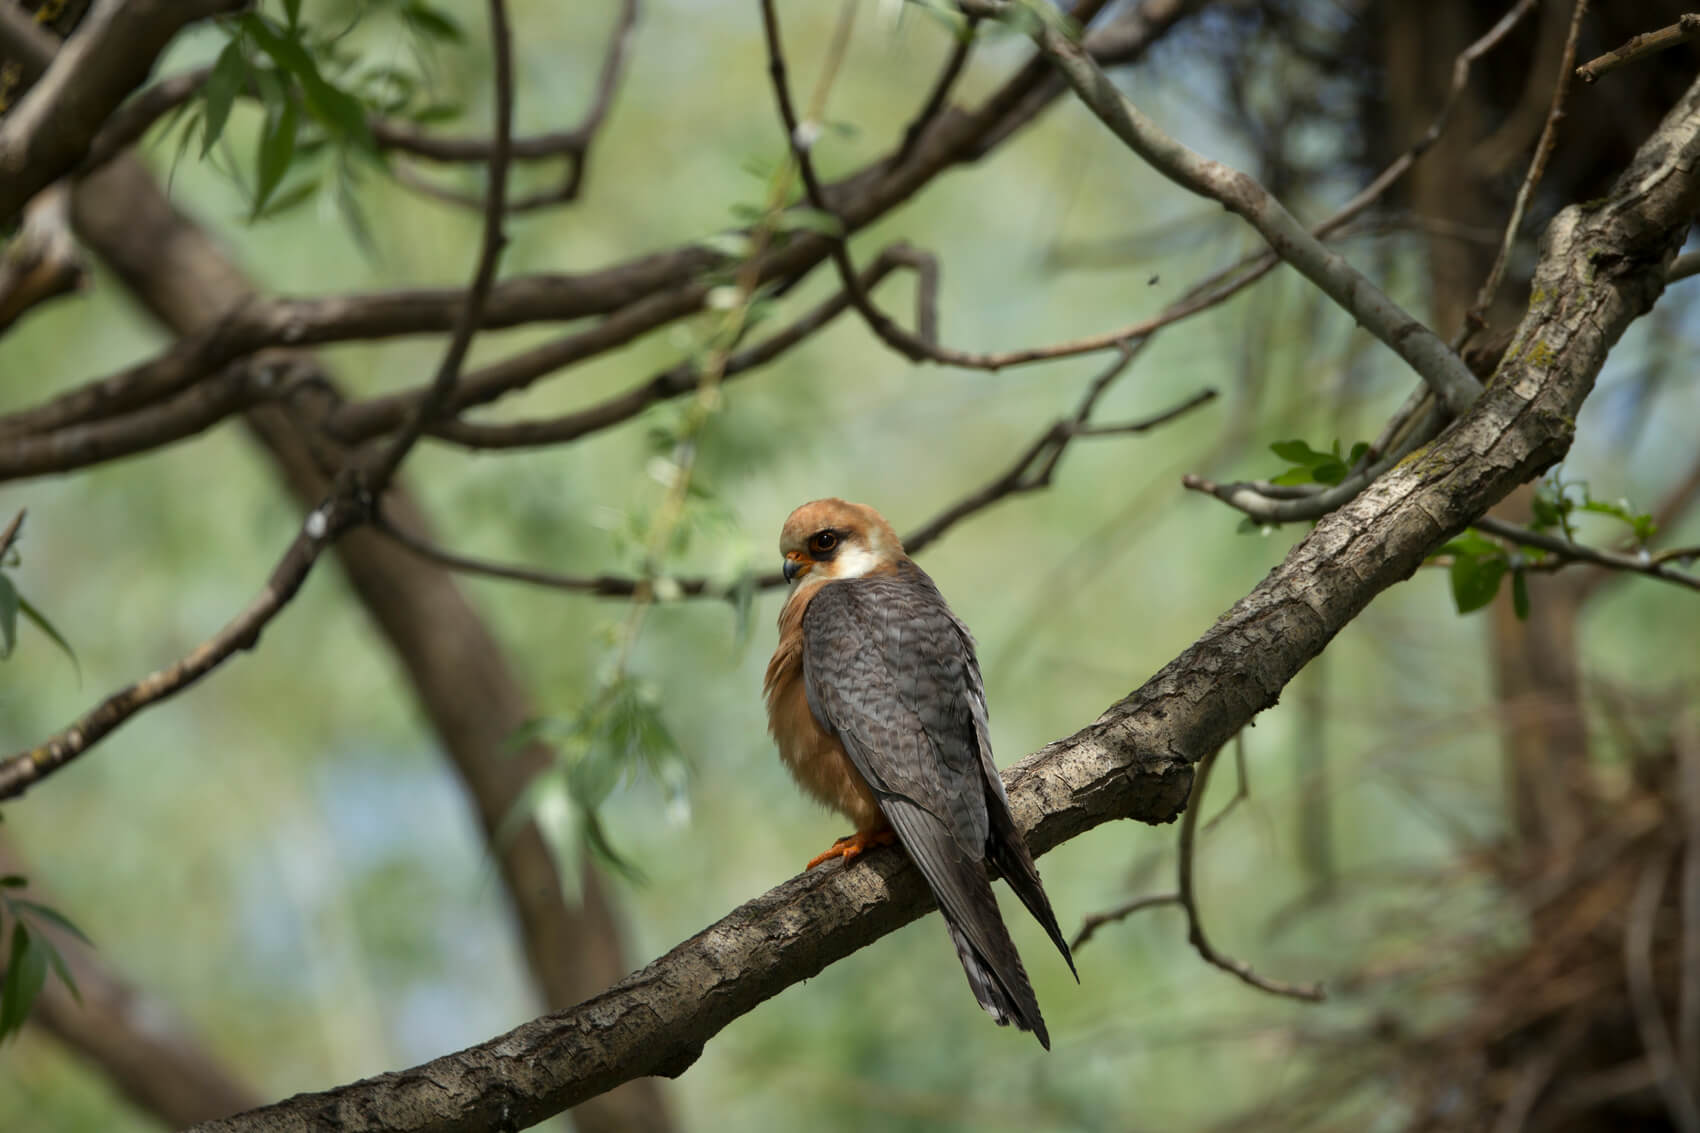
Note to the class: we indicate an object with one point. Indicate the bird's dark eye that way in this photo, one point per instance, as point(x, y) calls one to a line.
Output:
point(822, 543)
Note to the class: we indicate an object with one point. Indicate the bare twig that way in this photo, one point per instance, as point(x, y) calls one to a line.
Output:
point(1090, 926)
point(1242, 787)
point(1273, 503)
point(602, 585)
point(934, 105)
point(1654, 566)
point(573, 145)
point(1644, 996)
point(638, 296)
point(323, 525)
point(683, 377)
point(1476, 318)
point(494, 239)
point(11, 532)
point(1019, 478)
point(1686, 28)
point(1312, 993)
point(1425, 352)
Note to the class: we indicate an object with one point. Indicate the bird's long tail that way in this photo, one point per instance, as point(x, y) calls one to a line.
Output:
point(964, 895)
point(1001, 987)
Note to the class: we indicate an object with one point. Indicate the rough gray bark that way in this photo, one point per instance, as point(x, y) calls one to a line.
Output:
point(1601, 267)
point(49, 131)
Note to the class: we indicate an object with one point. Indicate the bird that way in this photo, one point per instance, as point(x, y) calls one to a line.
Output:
point(875, 700)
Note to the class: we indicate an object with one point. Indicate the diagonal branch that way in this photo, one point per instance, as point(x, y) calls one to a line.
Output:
point(1686, 28)
point(638, 295)
point(48, 132)
point(1601, 269)
point(436, 398)
point(345, 509)
point(1424, 351)
point(573, 144)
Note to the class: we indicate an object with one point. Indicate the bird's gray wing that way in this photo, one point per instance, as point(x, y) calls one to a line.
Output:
point(885, 671)
point(1005, 847)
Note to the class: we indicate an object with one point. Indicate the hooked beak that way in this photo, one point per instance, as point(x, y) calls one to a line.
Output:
point(796, 563)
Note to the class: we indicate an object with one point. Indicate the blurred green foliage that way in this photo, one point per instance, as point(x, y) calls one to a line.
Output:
point(281, 853)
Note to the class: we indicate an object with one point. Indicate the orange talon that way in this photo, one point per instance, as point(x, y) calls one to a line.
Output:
point(852, 846)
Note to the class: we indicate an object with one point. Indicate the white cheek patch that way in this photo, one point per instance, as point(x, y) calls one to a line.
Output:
point(853, 562)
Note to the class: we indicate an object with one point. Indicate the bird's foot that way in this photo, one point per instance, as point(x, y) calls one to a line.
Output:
point(852, 846)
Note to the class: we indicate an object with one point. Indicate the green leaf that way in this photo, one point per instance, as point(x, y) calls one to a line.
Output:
point(1291, 476)
point(292, 10)
point(1520, 594)
point(1298, 452)
point(1475, 580)
point(13, 881)
point(597, 839)
point(337, 110)
point(39, 621)
point(60, 968)
point(1471, 544)
point(26, 972)
point(9, 605)
point(1330, 471)
point(1544, 511)
point(1359, 451)
point(432, 22)
point(229, 75)
point(51, 916)
point(277, 149)
point(295, 196)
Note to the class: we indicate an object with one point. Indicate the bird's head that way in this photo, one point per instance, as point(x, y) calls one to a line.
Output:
point(832, 539)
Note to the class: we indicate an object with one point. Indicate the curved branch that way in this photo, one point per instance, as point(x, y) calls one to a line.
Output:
point(1601, 269)
point(48, 133)
point(492, 241)
point(638, 295)
point(1420, 347)
point(573, 144)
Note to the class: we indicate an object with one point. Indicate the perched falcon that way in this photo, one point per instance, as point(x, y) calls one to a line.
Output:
point(875, 699)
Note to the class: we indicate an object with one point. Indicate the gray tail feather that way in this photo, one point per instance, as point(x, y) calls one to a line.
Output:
point(1008, 1000)
point(1007, 851)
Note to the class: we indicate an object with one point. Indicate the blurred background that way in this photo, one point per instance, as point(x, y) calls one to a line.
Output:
point(283, 859)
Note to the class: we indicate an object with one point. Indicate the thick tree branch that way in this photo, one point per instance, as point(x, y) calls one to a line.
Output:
point(48, 132)
point(41, 262)
point(683, 377)
point(1601, 268)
